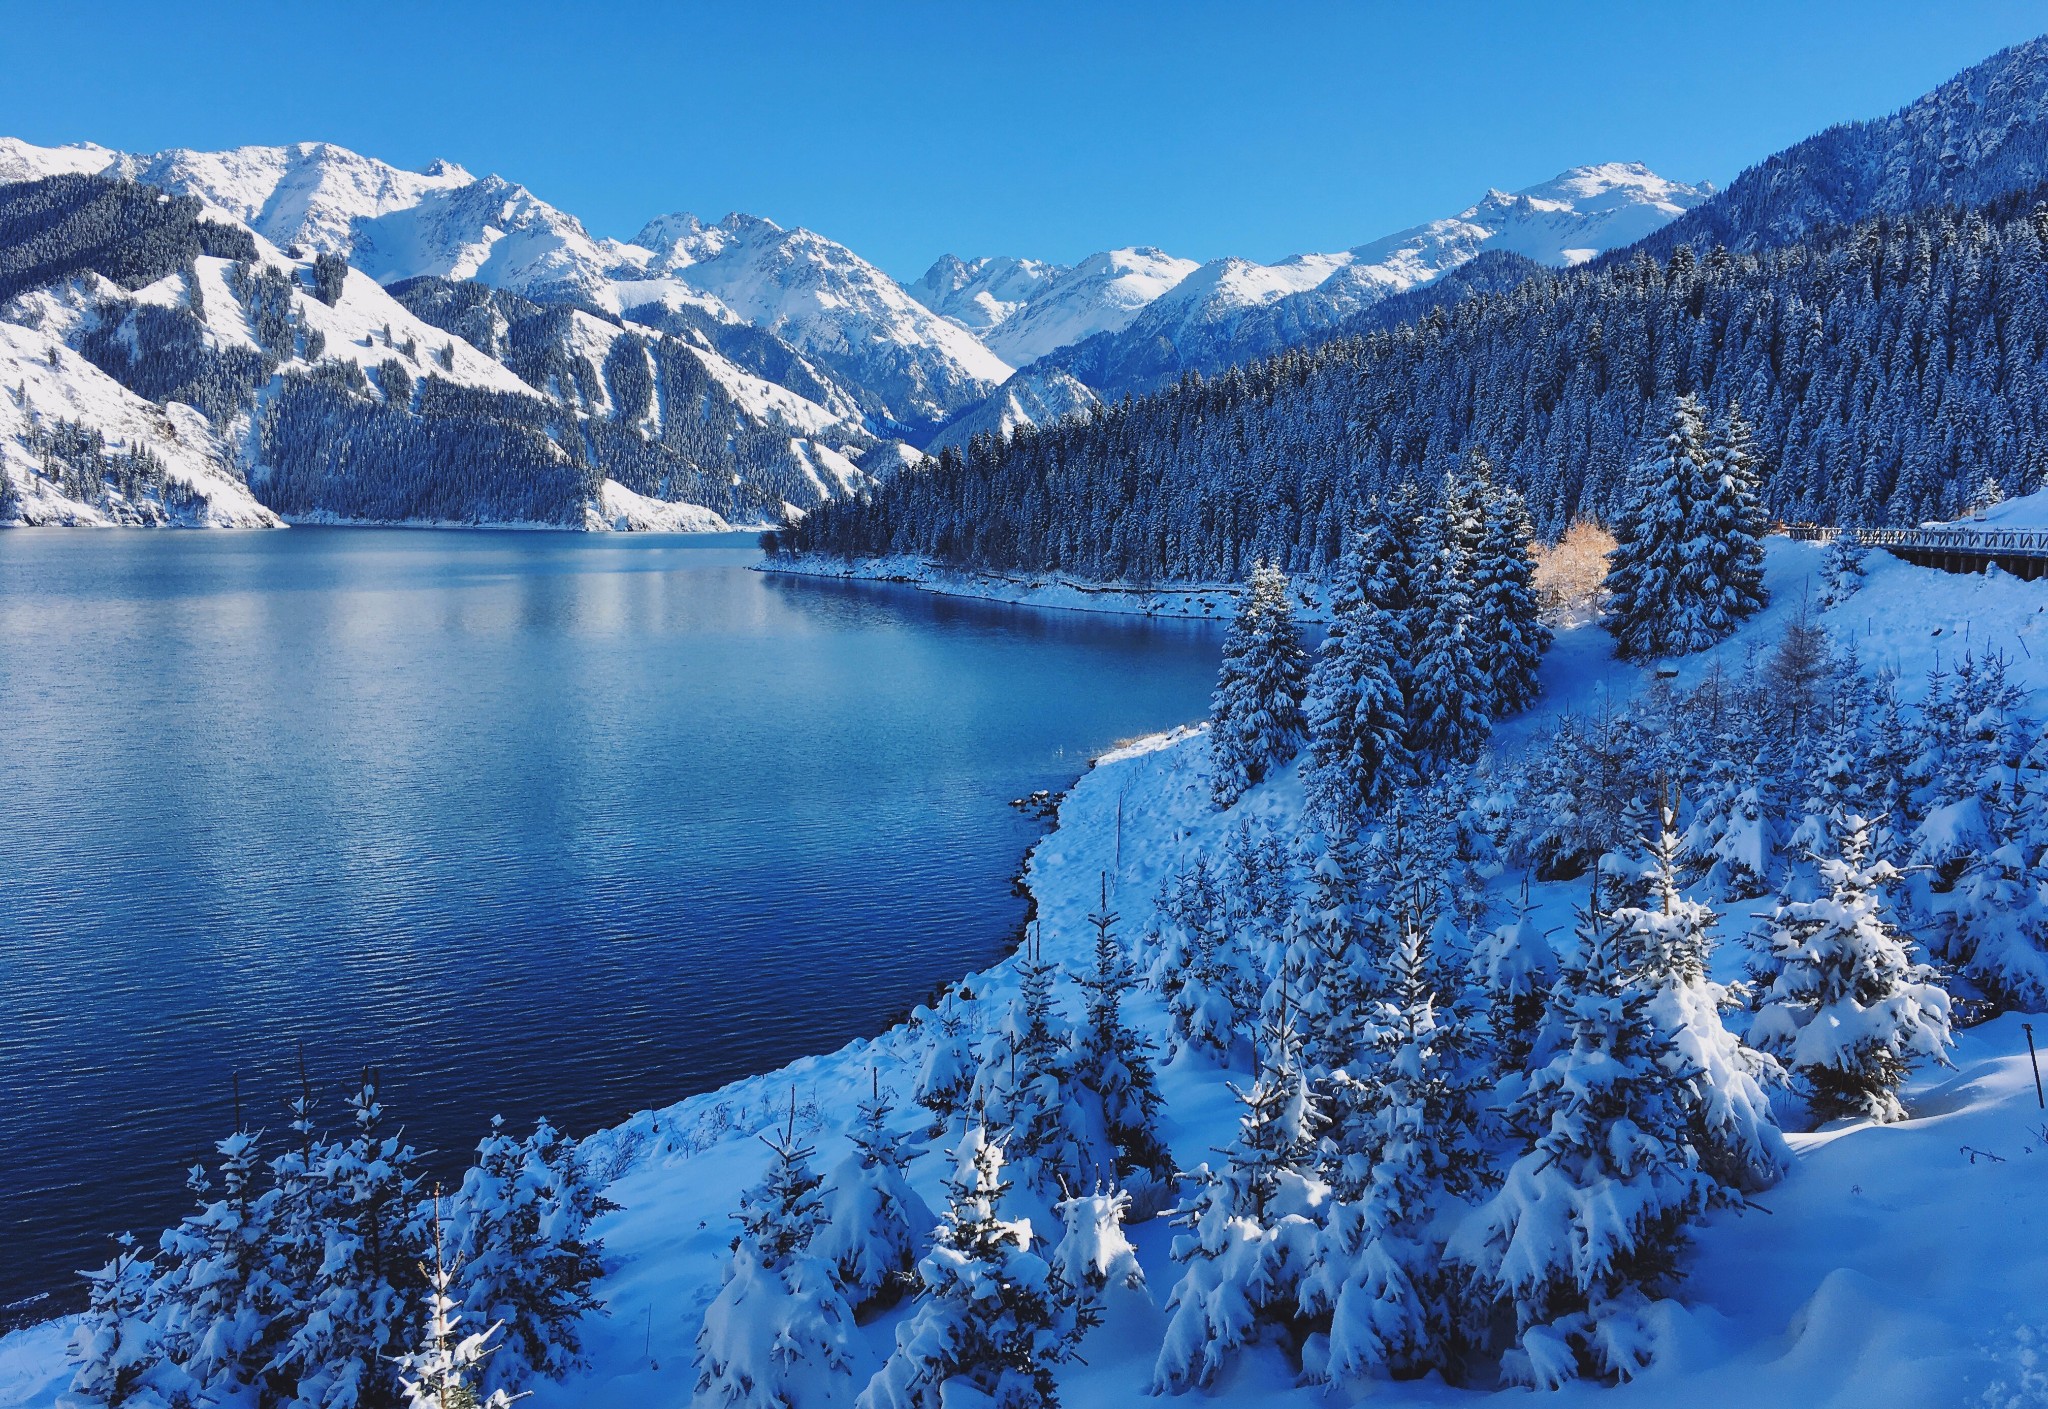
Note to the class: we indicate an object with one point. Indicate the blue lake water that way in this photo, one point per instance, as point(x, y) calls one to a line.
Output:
point(536, 823)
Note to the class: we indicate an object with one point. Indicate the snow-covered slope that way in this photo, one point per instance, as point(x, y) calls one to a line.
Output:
point(1036, 396)
point(49, 387)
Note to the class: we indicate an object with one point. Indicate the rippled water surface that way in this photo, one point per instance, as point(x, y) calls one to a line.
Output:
point(538, 823)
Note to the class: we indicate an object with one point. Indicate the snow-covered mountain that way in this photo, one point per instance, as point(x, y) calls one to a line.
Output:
point(1036, 396)
point(904, 364)
point(1024, 308)
point(980, 293)
point(1101, 294)
point(826, 300)
point(1231, 310)
point(909, 359)
point(183, 369)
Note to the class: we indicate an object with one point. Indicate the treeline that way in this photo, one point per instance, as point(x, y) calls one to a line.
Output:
point(1886, 368)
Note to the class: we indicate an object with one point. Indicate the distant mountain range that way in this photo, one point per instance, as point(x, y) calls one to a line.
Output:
point(911, 360)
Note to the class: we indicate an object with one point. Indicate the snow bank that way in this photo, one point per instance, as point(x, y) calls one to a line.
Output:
point(626, 511)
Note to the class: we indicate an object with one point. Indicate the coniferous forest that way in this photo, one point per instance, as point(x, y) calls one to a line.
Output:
point(1886, 369)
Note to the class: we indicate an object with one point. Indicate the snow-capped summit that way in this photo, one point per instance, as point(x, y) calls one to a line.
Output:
point(490, 230)
point(826, 300)
point(1565, 220)
point(1102, 293)
point(980, 293)
point(24, 161)
point(309, 194)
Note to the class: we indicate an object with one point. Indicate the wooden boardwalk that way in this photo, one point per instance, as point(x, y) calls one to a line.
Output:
point(2023, 552)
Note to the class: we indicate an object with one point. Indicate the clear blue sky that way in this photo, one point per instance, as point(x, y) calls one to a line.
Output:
point(912, 130)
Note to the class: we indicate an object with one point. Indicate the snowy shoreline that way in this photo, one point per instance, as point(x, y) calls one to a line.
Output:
point(1195, 601)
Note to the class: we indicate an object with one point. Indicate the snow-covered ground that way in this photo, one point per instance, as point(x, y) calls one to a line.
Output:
point(1896, 1265)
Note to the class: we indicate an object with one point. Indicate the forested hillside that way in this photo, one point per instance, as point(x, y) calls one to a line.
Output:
point(1888, 368)
point(1980, 135)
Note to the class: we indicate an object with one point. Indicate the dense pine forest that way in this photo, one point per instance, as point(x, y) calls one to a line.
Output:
point(1887, 368)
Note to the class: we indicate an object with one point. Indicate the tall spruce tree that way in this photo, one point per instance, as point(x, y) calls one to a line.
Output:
point(779, 1335)
point(1448, 706)
point(1256, 712)
point(1847, 1007)
point(1354, 708)
point(1588, 1226)
point(1505, 610)
point(1687, 567)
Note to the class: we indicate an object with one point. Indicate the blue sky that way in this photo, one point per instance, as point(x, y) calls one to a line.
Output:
point(912, 130)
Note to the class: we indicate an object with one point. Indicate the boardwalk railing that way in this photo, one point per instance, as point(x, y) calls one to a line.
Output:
point(2020, 551)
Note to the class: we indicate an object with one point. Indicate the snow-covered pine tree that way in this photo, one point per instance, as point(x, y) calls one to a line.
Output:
point(1841, 570)
point(1589, 1224)
point(520, 1228)
point(993, 1318)
point(1093, 1254)
point(1510, 634)
point(1847, 1008)
point(1256, 711)
point(1405, 1140)
point(1112, 1064)
point(1996, 917)
point(1024, 1089)
point(1643, 571)
point(1331, 970)
point(1196, 965)
point(1687, 563)
point(876, 1224)
point(947, 1076)
point(779, 1335)
point(1356, 726)
point(215, 1298)
point(1515, 968)
point(116, 1344)
point(1252, 1227)
point(1720, 1082)
point(1449, 706)
point(446, 1370)
point(1727, 529)
point(362, 1310)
